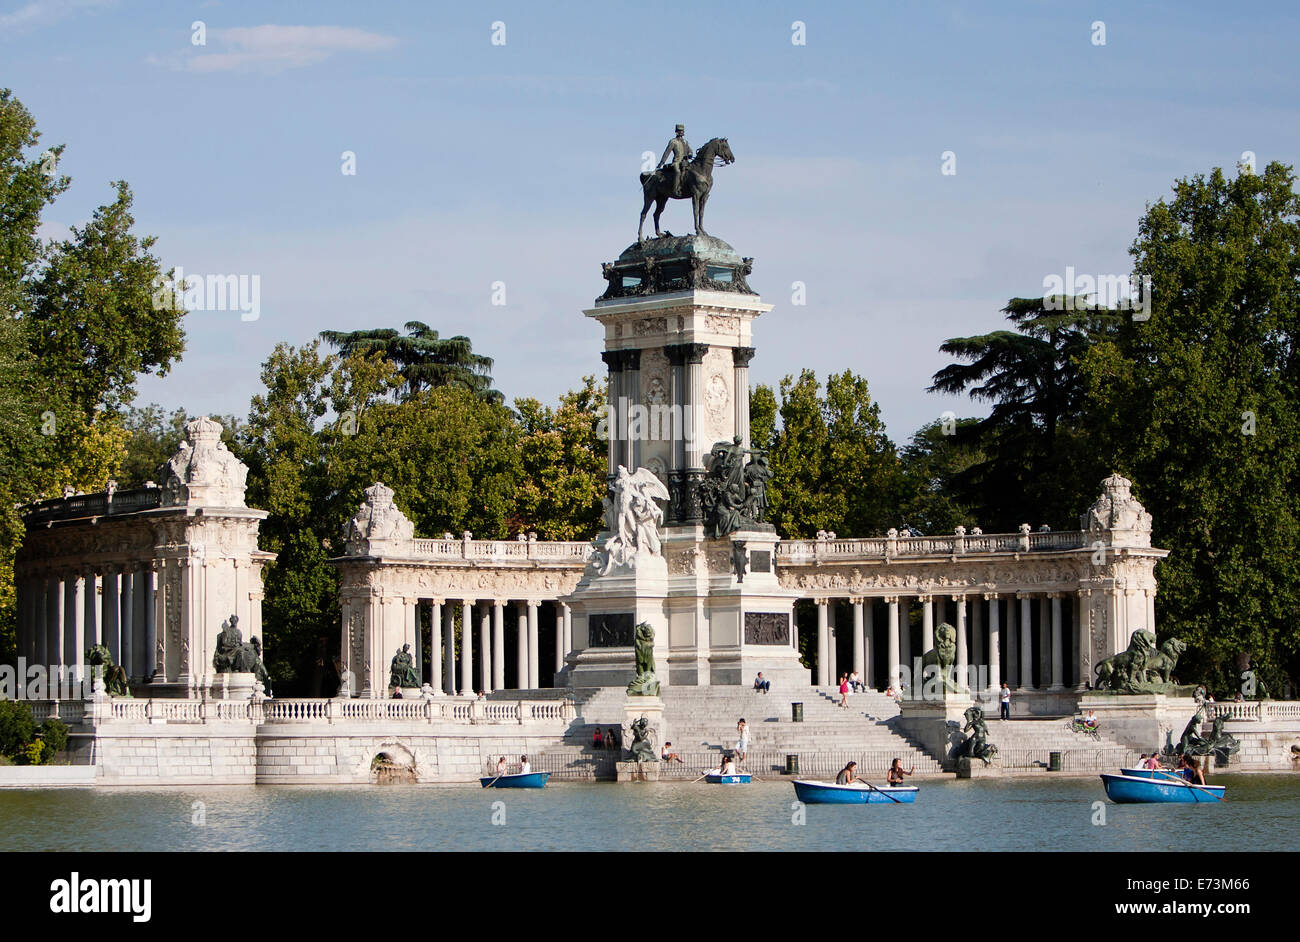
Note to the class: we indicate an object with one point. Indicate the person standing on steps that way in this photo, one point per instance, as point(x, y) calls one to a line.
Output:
point(844, 691)
point(1004, 695)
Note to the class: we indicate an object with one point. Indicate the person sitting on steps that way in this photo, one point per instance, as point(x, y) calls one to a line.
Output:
point(761, 685)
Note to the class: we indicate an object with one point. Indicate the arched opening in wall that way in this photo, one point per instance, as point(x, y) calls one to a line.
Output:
point(393, 766)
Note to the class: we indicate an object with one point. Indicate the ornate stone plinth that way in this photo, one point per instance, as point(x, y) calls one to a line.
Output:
point(975, 768)
point(637, 771)
point(652, 708)
point(233, 686)
point(937, 723)
point(1140, 721)
point(606, 610)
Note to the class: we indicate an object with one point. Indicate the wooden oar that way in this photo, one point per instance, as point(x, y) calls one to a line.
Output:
point(875, 789)
point(1188, 784)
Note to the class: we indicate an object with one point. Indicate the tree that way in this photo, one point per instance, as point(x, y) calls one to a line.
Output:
point(1200, 406)
point(834, 468)
point(932, 461)
point(77, 325)
point(1030, 471)
point(564, 465)
point(425, 360)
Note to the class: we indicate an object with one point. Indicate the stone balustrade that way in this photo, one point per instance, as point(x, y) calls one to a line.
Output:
point(305, 710)
point(797, 552)
point(1260, 711)
point(511, 550)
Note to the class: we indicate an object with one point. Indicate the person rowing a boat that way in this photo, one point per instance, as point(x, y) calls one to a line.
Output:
point(848, 775)
point(896, 772)
point(728, 766)
point(524, 767)
point(1190, 770)
point(501, 766)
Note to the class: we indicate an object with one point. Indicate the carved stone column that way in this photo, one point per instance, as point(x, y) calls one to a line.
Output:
point(435, 645)
point(1013, 645)
point(927, 625)
point(449, 649)
point(995, 644)
point(467, 648)
point(485, 648)
point(615, 398)
point(632, 390)
point(859, 640)
point(894, 649)
point(78, 627)
point(1058, 667)
point(740, 357)
point(823, 635)
point(1026, 641)
point(521, 645)
point(963, 659)
point(498, 645)
point(534, 667)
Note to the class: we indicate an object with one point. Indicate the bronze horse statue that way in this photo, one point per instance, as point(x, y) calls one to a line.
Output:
point(697, 181)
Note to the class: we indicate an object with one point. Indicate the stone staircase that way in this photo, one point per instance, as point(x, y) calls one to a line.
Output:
point(1027, 744)
point(703, 719)
point(701, 724)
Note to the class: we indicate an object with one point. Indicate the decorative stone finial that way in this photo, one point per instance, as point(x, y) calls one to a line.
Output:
point(203, 472)
point(1118, 510)
point(377, 525)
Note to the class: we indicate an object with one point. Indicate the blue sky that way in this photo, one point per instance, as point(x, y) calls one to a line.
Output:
point(517, 163)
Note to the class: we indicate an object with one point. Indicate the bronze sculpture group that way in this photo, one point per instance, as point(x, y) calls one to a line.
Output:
point(234, 655)
point(734, 492)
point(976, 745)
point(1142, 668)
point(115, 680)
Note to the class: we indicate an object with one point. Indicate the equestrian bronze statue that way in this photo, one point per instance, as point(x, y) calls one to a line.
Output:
point(678, 178)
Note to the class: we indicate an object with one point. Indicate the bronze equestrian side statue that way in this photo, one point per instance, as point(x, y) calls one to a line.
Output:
point(683, 179)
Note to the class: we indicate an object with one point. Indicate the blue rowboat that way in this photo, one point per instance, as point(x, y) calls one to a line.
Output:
point(518, 780)
point(738, 778)
point(859, 793)
point(1158, 774)
point(1130, 789)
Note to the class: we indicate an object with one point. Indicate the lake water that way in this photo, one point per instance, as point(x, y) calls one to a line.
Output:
point(1262, 813)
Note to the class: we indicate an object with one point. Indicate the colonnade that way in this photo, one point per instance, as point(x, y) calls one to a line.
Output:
point(467, 641)
point(63, 612)
point(1032, 640)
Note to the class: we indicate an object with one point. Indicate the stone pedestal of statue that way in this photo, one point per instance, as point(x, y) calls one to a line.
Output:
point(936, 723)
point(637, 771)
point(975, 768)
point(233, 686)
point(606, 608)
point(652, 708)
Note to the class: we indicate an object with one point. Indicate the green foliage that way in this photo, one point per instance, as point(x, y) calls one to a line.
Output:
point(932, 461)
point(1031, 465)
point(54, 737)
point(17, 727)
point(564, 465)
point(425, 360)
point(326, 428)
point(833, 466)
point(77, 325)
point(1200, 406)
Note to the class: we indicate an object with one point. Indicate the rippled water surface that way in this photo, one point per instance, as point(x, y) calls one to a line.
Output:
point(1262, 813)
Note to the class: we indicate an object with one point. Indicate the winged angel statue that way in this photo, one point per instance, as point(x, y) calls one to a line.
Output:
point(633, 517)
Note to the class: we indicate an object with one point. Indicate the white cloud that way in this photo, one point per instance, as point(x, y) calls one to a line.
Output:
point(274, 48)
point(40, 13)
